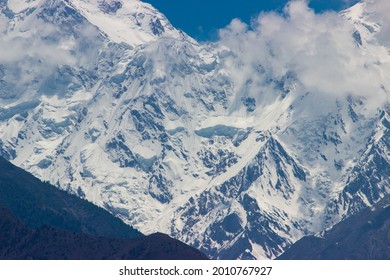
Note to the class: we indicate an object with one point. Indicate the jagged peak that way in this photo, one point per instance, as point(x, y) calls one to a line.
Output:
point(132, 22)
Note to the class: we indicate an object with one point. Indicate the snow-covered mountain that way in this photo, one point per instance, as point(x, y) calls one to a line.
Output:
point(238, 147)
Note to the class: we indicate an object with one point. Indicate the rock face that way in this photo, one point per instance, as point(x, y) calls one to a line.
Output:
point(38, 221)
point(239, 157)
point(364, 236)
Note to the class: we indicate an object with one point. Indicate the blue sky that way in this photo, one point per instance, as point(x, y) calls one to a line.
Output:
point(202, 18)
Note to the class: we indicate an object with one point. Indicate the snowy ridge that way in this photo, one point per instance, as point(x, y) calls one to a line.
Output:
point(228, 215)
point(115, 18)
point(239, 156)
point(368, 182)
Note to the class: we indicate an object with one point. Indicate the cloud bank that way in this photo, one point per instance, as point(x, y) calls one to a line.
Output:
point(319, 50)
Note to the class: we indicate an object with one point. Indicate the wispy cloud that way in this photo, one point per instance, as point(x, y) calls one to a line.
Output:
point(380, 11)
point(31, 54)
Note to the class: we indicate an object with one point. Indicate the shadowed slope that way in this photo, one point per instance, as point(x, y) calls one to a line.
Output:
point(39, 221)
point(364, 236)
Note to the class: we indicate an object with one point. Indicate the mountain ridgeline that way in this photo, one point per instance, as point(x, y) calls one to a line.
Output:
point(37, 204)
point(39, 221)
point(363, 236)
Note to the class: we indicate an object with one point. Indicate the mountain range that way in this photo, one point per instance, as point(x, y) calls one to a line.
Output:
point(238, 147)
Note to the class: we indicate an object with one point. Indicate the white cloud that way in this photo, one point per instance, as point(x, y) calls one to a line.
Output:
point(318, 48)
point(380, 11)
point(30, 56)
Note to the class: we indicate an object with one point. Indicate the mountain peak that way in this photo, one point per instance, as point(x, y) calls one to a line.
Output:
point(132, 22)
